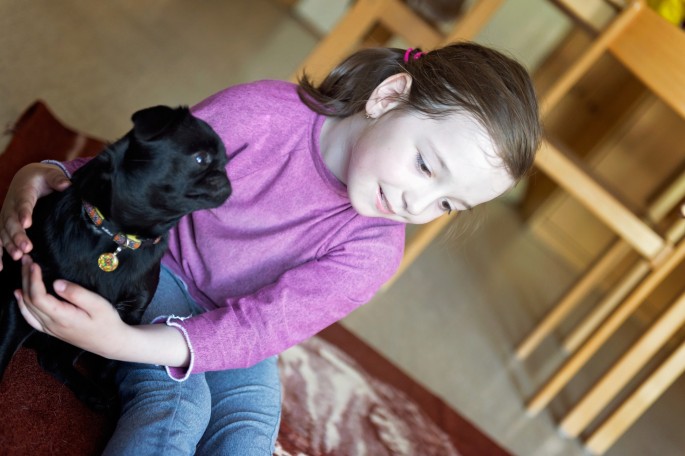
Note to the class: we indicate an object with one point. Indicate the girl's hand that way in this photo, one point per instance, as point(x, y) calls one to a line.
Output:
point(88, 321)
point(84, 319)
point(30, 183)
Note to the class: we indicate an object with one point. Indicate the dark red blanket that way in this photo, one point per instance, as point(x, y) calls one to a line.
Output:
point(340, 396)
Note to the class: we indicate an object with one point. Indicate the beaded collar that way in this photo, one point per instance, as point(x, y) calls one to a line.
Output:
point(108, 262)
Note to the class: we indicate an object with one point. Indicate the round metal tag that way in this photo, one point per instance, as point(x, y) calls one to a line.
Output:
point(108, 262)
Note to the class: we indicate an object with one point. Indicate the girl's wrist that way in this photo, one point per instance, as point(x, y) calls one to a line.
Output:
point(152, 344)
point(122, 348)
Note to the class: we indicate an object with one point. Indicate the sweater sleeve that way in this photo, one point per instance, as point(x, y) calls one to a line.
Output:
point(302, 302)
point(68, 167)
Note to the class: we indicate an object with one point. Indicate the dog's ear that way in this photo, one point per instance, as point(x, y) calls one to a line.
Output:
point(151, 122)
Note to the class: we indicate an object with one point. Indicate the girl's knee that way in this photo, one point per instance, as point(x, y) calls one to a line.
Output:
point(245, 433)
point(158, 409)
point(246, 411)
point(151, 384)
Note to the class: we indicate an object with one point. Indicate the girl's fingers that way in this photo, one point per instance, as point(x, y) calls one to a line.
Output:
point(36, 287)
point(13, 239)
point(28, 184)
point(38, 302)
point(30, 318)
point(77, 298)
point(33, 290)
point(81, 298)
point(25, 212)
point(26, 263)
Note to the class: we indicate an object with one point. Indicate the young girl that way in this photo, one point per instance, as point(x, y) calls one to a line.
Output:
point(324, 180)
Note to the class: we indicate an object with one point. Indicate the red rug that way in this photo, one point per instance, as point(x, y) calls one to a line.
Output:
point(341, 397)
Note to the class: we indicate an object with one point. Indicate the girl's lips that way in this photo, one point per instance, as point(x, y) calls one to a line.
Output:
point(382, 203)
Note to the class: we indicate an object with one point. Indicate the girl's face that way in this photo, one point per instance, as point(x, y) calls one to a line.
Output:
point(412, 169)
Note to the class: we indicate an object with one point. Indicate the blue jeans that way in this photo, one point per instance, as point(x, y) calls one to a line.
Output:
point(231, 412)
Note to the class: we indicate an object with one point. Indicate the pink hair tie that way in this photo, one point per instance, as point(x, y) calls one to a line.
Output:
point(407, 54)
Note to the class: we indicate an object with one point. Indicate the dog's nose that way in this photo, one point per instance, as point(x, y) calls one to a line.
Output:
point(223, 187)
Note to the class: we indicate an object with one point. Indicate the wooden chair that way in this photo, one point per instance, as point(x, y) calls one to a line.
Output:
point(615, 255)
point(348, 35)
point(651, 49)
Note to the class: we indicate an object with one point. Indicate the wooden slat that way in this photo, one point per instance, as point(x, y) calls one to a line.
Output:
point(592, 15)
point(570, 301)
point(589, 58)
point(628, 282)
point(637, 403)
point(418, 243)
point(624, 370)
point(402, 21)
point(644, 48)
point(569, 369)
point(342, 40)
point(570, 175)
point(658, 209)
point(600, 312)
point(473, 21)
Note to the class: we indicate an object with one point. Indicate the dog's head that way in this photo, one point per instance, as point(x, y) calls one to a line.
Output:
point(170, 164)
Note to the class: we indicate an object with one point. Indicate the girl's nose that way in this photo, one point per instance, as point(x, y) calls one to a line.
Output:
point(415, 203)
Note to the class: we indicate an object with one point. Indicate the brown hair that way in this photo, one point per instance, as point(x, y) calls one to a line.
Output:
point(462, 77)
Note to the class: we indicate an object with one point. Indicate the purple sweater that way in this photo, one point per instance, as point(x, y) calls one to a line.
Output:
point(286, 255)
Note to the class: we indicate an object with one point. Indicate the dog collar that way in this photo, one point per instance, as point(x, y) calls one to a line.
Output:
point(108, 262)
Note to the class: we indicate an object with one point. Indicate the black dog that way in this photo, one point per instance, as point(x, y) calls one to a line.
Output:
point(108, 230)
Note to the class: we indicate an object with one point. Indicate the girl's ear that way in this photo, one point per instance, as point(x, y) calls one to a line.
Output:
point(388, 94)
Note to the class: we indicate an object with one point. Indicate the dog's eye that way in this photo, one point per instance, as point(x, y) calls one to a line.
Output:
point(202, 158)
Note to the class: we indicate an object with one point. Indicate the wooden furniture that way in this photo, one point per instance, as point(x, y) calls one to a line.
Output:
point(348, 35)
point(651, 49)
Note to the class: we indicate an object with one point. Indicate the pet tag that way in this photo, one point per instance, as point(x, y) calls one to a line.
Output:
point(108, 262)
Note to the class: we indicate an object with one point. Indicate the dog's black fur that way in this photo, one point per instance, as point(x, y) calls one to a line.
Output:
point(168, 165)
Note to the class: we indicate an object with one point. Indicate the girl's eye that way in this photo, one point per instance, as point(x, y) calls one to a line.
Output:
point(202, 158)
point(422, 166)
point(446, 206)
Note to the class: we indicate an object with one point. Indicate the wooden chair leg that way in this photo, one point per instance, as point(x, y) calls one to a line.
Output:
point(630, 280)
point(589, 58)
point(474, 20)
point(550, 389)
point(624, 370)
point(657, 211)
point(349, 32)
point(670, 199)
point(637, 403)
point(576, 179)
point(607, 305)
point(403, 22)
point(418, 243)
point(568, 303)
point(342, 40)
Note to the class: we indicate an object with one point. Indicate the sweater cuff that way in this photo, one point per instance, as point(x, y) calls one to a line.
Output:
point(178, 374)
point(59, 165)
